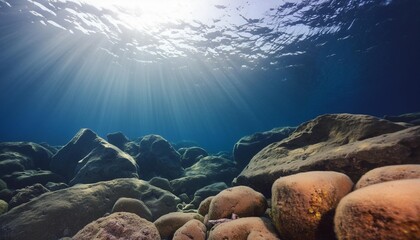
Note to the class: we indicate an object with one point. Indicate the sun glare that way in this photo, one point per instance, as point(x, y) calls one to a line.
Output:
point(148, 13)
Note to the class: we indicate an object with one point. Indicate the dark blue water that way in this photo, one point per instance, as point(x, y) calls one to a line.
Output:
point(207, 72)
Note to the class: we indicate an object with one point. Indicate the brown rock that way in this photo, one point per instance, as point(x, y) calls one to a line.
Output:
point(389, 210)
point(121, 225)
point(192, 230)
point(389, 173)
point(169, 223)
point(303, 204)
point(254, 228)
point(352, 144)
point(133, 205)
point(26, 194)
point(241, 200)
point(203, 209)
point(62, 213)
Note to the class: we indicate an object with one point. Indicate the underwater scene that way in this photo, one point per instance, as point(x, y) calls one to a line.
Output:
point(209, 119)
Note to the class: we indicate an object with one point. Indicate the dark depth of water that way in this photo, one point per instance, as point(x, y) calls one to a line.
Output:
point(228, 69)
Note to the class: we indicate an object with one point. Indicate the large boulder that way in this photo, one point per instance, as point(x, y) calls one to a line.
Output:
point(121, 225)
point(39, 156)
point(117, 139)
point(191, 155)
point(389, 173)
point(250, 145)
point(105, 162)
point(352, 144)
point(389, 210)
point(133, 205)
point(241, 200)
point(254, 228)
point(189, 184)
point(64, 162)
point(64, 212)
point(25, 178)
point(215, 168)
point(207, 191)
point(158, 158)
point(303, 204)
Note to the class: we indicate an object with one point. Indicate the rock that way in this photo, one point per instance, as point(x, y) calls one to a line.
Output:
point(191, 155)
point(52, 149)
point(389, 173)
point(3, 207)
point(105, 162)
point(336, 142)
point(35, 155)
point(169, 223)
point(192, 230)
point(389, 210)
point(161, 183)
point(184, 198)
point(412, 118)
point(121, 225)
point(158, 158)
point(216, 169)
point(13, 164)
point(6, 195)
point(52, 186)
point(254, 228)
point(132, 148)
point(189, 184)
point(77, 206)
point(3, 185)
point(250, 145)
point(132, 205)
point(241, 200)
point(207, 191)
point(203, 209)
point(27, 194)
point(117, 139)
point(303, 204)
point(26, 178)
point(65, 160)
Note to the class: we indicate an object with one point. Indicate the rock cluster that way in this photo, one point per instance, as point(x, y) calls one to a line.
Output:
point(295, 184)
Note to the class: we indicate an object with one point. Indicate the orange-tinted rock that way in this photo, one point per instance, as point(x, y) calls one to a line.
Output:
point(389, 173)
point(121, 225)
point(389, 210)
point(203, 209)
point(241, 200)
point(169, 223)
point(303, 204)
point(192, 230)
point(254, 228)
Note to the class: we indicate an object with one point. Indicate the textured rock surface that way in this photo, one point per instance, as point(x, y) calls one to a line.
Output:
point(215, 168)
point(338, 142)
point(303, 204)
point(250, 145)
point(25, 178)
point(161, 183)
point(158, 158)
point(192, 155)
point(65, 160)
point(389, 173)
point(105, 162)
point(190, 184)
point(254, 228)
point(117, 139)
point(389, 210)
point(35, 155)
point(204, 206)
point(207, 191)
point(119, 226)
point(133, 205)
point(64, 212)
point(27, 194)
point(192, 230)
point(241, 200)
point(169, 223)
